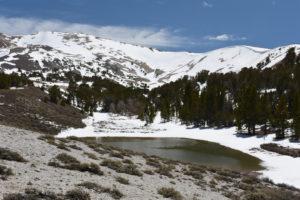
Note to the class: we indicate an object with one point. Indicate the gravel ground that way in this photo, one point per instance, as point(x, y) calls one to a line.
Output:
point(37, 174)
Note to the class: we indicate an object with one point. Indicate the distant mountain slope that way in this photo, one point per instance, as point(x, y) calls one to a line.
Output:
point(125, 63)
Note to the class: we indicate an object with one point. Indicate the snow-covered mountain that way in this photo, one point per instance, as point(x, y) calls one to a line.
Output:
point(125, 63)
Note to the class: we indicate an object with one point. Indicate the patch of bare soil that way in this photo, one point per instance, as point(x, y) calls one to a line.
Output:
point(281, 150)
point(26, 108)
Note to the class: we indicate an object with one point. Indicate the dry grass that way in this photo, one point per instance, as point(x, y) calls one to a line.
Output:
point(91, 156)
point(26, 109)
point(114, 193)
point(117, 165)
point(66, 159)
point(6, 154)
point(5, 172)
point(116, 154)
point(170, 193)
point(77, 194)
point(122, 180)
point(72, 163)
point(34, 194)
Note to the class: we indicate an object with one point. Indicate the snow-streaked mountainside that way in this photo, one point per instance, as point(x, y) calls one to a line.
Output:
point(124, 63)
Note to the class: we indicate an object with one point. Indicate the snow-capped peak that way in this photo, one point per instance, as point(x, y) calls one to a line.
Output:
point(122, 62)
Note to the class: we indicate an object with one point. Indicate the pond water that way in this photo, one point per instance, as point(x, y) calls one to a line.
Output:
point(189, 150)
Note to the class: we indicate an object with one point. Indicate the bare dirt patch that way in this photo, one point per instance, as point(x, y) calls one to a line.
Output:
point(281, 150)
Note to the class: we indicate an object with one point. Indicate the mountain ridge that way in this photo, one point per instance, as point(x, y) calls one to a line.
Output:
point(124, 63)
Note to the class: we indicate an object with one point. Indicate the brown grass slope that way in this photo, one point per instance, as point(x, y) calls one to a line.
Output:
point(25, 108)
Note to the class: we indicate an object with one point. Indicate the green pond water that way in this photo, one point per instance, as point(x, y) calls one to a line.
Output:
point(189, 150)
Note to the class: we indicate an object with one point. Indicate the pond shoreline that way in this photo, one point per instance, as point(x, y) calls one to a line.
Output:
point(279, 168)
point(187, 150)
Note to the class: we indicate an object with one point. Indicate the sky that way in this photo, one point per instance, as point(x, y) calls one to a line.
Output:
point(173, 25)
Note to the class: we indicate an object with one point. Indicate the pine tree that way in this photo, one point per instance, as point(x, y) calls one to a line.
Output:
point(295, 114)
point(296, 126)
point(221, 108)
point(72, 88)
point(165, 111)
point(55, 94)
point(247, 110)
point(200, 109)
point(238, 118)
point(281, 117)
point(4, 81)
point(152, 114)
point(149, 113)
point(290, 56)
point(187, 111)
point(210, 109)
point(265, 110)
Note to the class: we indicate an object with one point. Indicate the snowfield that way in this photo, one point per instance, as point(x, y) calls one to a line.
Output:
point(92, 55)
point(279, 168)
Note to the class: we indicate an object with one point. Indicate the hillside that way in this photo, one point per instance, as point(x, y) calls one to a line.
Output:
point(26, 108)
point(35, 166)
point(125, 63)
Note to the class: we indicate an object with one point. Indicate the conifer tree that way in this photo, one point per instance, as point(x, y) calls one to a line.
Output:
point(281, 117)
point(210, 109)
point(152, 114)
point(165, 111)
point(296, 127)
point(4, 81)
point(55, 94)
point(71, 91)
point(238, 118)
point(295, 114)
point(290, 56)
point(223, 109)
point(247, 110)
point(265, 112)
point(149, 113)
point(187, 111)
point(200, 110)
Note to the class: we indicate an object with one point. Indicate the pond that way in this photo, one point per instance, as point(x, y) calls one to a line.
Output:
point(196, 151)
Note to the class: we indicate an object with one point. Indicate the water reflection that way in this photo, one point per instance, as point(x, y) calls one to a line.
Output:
point(196, 151)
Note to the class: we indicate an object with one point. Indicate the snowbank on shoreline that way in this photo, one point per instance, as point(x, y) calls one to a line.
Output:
point(279, 168)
